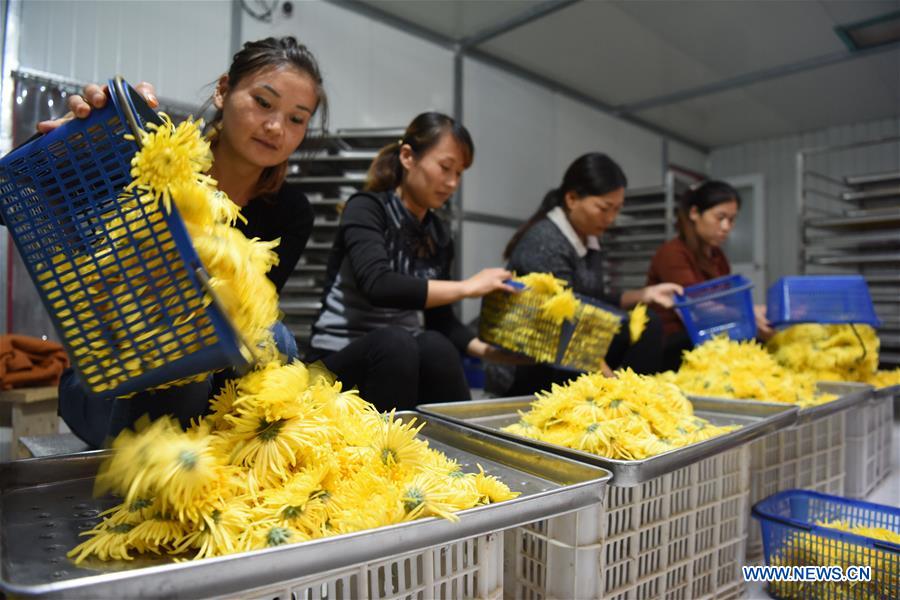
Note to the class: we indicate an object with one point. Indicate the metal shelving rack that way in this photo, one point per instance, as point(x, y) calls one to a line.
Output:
point(647, 220)
point(328, 177)
point(849, 217)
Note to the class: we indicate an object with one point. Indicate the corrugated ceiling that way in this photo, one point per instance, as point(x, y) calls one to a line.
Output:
point(625, 52)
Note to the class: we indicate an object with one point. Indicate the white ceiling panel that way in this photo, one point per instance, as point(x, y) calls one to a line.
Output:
point(844, 93)
point(455, 20)
point(841, 94)
point(620, 52)
point(720, 119)
point(847, 12)
point(601, 50)
point(733, 38)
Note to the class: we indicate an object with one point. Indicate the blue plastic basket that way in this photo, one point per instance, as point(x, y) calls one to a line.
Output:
point(718, 306)
point(820, 299)
point(791, 537)
point(142, 298)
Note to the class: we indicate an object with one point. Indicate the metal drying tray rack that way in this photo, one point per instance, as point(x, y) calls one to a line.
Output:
point(46, 503)
point(756, 419)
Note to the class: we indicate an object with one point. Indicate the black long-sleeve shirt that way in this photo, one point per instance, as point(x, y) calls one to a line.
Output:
point(286, 215)
point(378, 274)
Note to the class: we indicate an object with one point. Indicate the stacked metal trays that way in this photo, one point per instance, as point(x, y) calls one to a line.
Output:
point(46, 503)
point(756, 419)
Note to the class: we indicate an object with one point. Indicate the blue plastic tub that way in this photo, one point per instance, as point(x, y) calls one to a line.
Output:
point(62, 199)
point(791, 537)
point(820, 299)
point(719, 306)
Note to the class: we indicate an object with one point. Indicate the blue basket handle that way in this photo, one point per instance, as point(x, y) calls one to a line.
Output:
point(887, 546)
point(515, 284)
point(684, 301)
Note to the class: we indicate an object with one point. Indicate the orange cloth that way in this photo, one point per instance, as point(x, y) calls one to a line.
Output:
point(27, 362)
point(673, 262)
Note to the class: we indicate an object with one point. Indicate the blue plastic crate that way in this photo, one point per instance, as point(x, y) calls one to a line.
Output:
point(791, 537)
point(719, 306)
point(820, 299)
point(121, 281)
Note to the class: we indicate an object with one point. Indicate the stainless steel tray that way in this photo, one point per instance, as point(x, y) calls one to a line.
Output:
point(46, 503)
point(891, 390)
point(849, 394)
point(756, 419)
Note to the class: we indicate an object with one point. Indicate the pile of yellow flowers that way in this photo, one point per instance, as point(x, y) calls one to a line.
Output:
point(806, 549)
point(530, 322)
point(726, 368)
point(832, 353)
point(285, 456)
point(122, 305)
point(628, 417)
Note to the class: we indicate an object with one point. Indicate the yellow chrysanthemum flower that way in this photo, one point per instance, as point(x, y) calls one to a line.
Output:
point(637, 321)
point(828, 352)
point(424, 496)
point(560, 307)
point(726, 368)
point(628, 417)
point(170, 157)
point(490, 489)
point(542, 283)
point(396, 445)
point(236, 481)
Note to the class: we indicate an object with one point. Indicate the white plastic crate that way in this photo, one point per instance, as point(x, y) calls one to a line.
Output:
point(470, 568)
point(680, 535)
point(869, 432)
point(809, 457)
point(886, 438)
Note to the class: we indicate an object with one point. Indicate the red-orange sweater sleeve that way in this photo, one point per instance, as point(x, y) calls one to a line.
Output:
point(673, 263)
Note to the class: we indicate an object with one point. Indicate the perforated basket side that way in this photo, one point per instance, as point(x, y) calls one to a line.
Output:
point(585, 343)
point(515, 322)
point(469, 568)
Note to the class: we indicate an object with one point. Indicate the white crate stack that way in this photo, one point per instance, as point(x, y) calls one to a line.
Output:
point(680, 535)
point(470, 568)
point(809, 456)
point(868, 457)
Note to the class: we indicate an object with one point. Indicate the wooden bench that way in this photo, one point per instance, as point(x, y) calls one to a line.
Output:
point(29, 411)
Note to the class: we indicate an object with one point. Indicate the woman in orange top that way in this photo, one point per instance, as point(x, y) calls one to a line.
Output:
point(706, 215)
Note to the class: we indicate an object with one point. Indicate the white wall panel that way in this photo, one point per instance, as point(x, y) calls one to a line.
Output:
point(581, 129)
point(683, 156)
point(375, 75)
point(178, 46)
point(483, 246)
point(526, 136)
point(776, 160)
point(512, 122)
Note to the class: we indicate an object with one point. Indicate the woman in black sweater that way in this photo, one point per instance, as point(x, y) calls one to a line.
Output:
point(264, 105)
point(387, 325)
point(562, 238)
